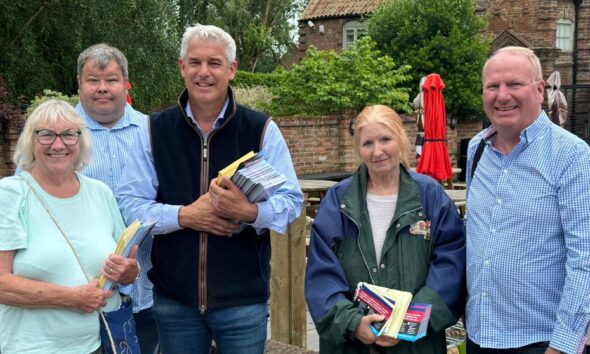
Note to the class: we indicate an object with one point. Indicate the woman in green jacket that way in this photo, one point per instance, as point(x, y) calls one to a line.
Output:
point(367, 230)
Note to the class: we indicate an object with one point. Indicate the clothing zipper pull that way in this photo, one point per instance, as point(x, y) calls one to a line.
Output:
point(203, 309)
point(205, 152)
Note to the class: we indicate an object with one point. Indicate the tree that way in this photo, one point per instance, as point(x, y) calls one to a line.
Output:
point(436, 36)
point(261, 28)
point(327, 82)
point(42, 41)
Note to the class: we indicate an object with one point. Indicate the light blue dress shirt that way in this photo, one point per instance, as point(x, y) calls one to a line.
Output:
point(136, 193)
point(528, 240)
point(110, 149)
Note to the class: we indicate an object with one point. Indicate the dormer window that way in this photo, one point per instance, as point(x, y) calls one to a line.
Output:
point(352, 32)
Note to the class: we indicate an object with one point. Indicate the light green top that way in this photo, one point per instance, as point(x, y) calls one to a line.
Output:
point(92, 222)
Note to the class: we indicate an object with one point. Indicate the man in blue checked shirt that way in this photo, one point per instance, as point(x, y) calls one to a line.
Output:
point(528, 229)
point(113, 124)
point(211, 248)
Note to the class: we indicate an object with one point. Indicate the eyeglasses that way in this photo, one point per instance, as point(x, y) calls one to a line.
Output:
point(68, 137)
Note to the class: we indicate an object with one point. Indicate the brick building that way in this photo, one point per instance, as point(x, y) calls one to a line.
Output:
point(557, 30)
point(546, 26)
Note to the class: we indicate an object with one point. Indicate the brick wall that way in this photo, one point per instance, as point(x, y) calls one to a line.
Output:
point(535, 21)
point(10, 128)
point(324, 144)
point(317, 144)
point(331, 38)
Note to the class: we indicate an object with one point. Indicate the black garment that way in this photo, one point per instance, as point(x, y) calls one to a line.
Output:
point(196, 268)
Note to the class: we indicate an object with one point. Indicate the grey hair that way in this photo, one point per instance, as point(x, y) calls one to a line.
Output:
point(523, 52)
point(46, 114)
point(209, 33)
point(102, 54)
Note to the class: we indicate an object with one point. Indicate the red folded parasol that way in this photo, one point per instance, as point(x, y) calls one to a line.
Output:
point(434, 160)
point(128, 95)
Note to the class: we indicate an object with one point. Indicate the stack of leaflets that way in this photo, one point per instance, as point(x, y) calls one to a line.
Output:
point(403, 320)
point(133, 235)
point(254, 176)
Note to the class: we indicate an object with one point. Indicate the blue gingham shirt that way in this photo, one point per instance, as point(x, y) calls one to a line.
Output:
point(110, 148)
point(528, 240)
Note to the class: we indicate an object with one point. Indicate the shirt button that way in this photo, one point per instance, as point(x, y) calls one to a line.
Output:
point(493, 231)
point(484, 294)
point(382, 266)
point(374, 270)
point(486, 262)
point(505, 171)
point(499, 201)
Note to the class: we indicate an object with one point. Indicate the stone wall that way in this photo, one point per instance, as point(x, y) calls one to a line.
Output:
point(317, 144)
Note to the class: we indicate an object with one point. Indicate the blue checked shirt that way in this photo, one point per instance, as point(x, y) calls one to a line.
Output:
point(110, 148)
point(528, 240)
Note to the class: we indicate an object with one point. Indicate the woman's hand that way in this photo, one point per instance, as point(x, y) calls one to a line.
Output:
point(88, 298)
point(363, 331)
point(383, 341)
point(120, 269)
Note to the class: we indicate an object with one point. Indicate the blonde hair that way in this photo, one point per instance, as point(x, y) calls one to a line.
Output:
point(391, 120)
point(523, 52)
point(47, 113)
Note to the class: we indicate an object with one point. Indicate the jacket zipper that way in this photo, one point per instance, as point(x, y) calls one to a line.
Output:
point(358, 243)
point(203, 235)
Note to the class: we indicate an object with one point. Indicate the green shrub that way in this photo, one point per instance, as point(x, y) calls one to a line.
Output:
point(50, 94)
point(256, 97)
point(248, 79)
point(326, 82)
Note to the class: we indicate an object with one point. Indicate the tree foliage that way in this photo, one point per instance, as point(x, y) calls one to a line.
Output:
point(436, 36)
point(260, 27)
point(328, 82)
point(41, 40)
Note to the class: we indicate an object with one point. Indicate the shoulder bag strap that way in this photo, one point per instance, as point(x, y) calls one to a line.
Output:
point(480, 147)
point(75, 254)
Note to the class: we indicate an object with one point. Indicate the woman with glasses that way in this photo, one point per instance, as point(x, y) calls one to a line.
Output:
point(57, 231)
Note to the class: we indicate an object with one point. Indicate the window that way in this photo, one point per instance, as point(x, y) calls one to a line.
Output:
point(564, 38)
point(352, 32)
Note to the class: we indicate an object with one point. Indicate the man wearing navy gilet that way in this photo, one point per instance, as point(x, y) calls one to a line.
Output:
point(211, 249)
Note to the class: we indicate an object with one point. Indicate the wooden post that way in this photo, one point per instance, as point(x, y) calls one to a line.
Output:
point(287, 302)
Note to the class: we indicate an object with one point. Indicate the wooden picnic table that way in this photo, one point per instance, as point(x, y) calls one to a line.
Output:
point(459, 197)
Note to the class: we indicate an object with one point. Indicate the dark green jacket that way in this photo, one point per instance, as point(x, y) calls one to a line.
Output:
point(342, 253)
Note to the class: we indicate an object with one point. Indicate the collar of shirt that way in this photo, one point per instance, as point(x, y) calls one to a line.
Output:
point(528, 135)
point(130, 117)
point(217, 121)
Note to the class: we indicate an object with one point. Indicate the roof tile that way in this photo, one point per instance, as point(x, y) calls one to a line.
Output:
point(337, 8)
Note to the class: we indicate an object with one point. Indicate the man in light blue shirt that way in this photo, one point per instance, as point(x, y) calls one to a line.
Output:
point(113, 125)
point(211, 251)
point(528, 229)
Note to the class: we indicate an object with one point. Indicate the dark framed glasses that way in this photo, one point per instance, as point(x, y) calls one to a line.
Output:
point(68, 137)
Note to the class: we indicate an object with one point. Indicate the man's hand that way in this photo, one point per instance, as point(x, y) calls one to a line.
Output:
point(230, 202)
point(120, 269)
point(551, 351)
point(201, 216)
point(88, 298)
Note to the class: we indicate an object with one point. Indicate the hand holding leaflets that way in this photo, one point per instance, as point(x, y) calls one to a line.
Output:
point(254, 176)
point(133, 235)
point(402, 319)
